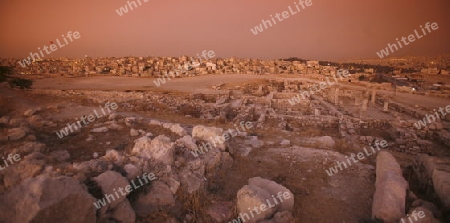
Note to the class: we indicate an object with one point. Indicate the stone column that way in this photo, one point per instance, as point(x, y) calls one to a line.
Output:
point(372, 99)
point(386, 106)
point(362, 113)
point(336, 96)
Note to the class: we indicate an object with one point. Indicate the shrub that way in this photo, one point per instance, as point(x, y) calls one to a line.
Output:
point(21, 83)
point(2, 78)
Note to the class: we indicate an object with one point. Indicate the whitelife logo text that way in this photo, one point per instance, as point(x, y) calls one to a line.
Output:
point(53, 48)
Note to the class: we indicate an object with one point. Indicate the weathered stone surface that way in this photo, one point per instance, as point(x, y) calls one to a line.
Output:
point(284, 217)
point(36, 200)
point(30, 147)
point(172, 183)
point(209, 134)
point(124, 213)
point(100, 129)
point(16, 122)
point(16, 133)
point(285, 142)
point(60, 155)
point(4, 120)
point(134, 132)
point(161, 149)
point(325, 142)
point(29, 112)
point(188, 142)
point(281, 217)
point(36, 121)
point(129, 121)
point(110, 182)
point(441, 183)
point(159, 196)
point(115, 126)
point(220, 211)
point(140, 144)
point(155, 122)
point(434, 172)
point(419, 215)
point(212, 162)
point(251, 196)
point(254, 143)
point(27, 167)
point(114, 156)
point(132, 171)
point(177, 129)
point(192, 182)
point(226, 161)
point(275, 189)
point(390, 193)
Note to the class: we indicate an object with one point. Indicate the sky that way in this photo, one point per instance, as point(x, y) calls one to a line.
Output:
point(326, 30)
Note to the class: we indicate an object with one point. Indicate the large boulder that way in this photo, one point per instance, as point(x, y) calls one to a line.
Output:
point(250, 197)
point(29, 166)
point(390, 189)
point(192, 176)
point(160, 149)
point(110, 182)
point(220, 211)
point(177, 129)
point(420, 215)
point(275, 189)
point(132, 171)
point(211, 135)
point(265, 198)
point(188, 142)
point(122, 213)
point(45, 199)
point(16, 133)
point(159, 196)
point(212, 161)
point(30, 147)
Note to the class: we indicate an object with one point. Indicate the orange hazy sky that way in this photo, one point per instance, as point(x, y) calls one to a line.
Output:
point(327, 30)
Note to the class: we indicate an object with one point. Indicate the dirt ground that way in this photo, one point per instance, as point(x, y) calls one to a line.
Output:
point(202, 84)
point(318, 198)
point(343, 197)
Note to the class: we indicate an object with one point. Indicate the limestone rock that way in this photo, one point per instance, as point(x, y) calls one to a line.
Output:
point(177, 129)
point(209, 134)
point(188, 142)
point(29, 112)
point(100, 129)
point(390, 189)
point(16, 133)
point(134, 132)
point(275, 189)
point(420, 215)
point(159, 195)
point(285, 142)
point(110, 182)
point(161, 149)
point(30, 147)
point(123, 213)
point(220, 211)
point(71, 204)
point(251, 196)
point(60, 155)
